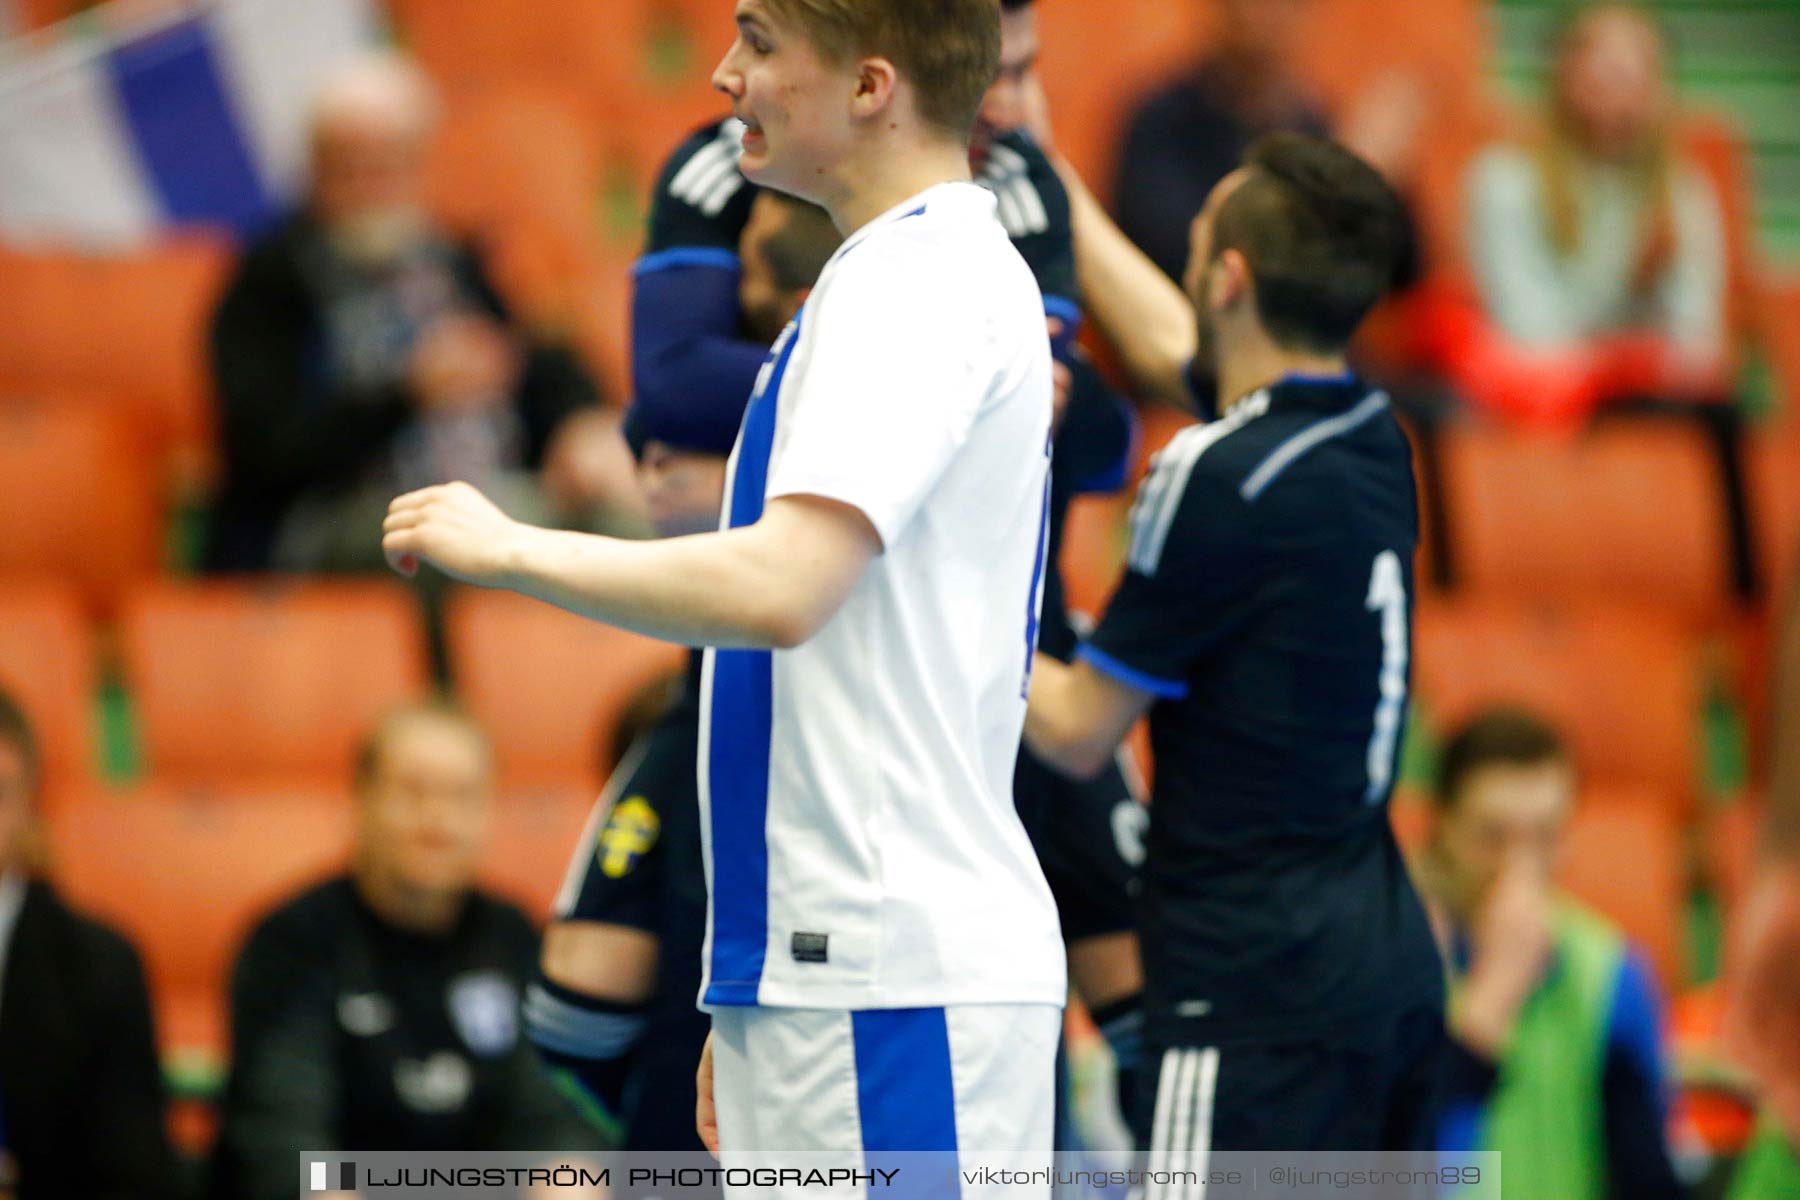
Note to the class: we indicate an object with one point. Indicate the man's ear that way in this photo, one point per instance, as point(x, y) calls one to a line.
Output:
point(876, 82)
point(1230, 281)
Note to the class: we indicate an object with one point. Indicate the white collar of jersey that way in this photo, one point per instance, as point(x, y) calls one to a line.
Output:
point(1248, 407)
point(954, 192)
point(1255, 404)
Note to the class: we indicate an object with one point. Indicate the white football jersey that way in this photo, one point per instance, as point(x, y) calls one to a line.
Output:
point(856, 792)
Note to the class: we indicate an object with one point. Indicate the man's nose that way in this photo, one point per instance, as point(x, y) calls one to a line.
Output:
point(726, 78)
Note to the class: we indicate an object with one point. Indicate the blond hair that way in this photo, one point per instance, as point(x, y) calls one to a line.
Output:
point(949, 50)
point(1653, 169)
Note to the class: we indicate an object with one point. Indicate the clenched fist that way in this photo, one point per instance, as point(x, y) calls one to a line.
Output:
point(456, 529)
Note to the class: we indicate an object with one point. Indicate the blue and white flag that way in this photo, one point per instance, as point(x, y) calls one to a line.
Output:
point(113, 130)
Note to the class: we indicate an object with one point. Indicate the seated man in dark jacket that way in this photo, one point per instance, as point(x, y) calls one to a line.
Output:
point(380, 1010)
point(359, 351)
point(81, 1099)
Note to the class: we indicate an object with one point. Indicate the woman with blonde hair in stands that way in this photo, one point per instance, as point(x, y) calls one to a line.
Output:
point(1596, 243)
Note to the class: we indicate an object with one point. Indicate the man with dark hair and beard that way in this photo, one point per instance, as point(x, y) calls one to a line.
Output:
point(1293, 995)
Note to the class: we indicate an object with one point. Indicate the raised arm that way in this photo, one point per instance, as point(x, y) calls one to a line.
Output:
point(769, 585)
point(1142, 313)
point(692, 367)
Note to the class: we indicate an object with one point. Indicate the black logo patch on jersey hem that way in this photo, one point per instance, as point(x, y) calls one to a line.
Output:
point(810, 947)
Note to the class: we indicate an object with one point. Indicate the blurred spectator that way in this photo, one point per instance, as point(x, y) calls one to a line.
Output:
point(1600, 238)
point(380, 1010)
point(1556, 1057)
point(360, 352)
point(81, 1098)
point(1192, 133)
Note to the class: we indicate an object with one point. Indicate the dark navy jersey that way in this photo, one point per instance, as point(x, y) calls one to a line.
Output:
point(642, 868)
point(1267, 606)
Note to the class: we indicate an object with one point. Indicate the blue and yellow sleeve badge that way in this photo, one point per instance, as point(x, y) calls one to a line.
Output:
point(630, 833)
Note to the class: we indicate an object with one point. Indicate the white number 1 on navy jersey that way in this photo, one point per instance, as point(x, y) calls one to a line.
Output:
point(1387, 596)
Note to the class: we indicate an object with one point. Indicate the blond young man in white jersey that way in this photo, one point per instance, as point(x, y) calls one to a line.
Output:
point(883, 960)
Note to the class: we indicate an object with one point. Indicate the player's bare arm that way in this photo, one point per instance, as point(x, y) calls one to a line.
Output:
point(1139, 309)
point(603, 960)
point(768, 585)
point(1077, 717)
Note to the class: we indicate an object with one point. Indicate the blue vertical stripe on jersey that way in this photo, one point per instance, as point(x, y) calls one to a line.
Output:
point(738, 753)
point(905, 1094)
point(1034, 614)
point(183, 126)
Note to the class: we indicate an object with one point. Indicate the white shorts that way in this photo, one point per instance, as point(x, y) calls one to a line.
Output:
point(790, 1084)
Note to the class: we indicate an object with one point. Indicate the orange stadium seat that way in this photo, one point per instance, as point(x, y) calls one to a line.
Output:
point(129, 326)
point(517, 153)
point(550, 687)
point(185, 874)
point(47, 665)
point(1623, 856)
point(1621, 682)
point(1093, 550)
point(468, 44)
point(35, 14)
point(81, 502)
point(536, 832)
point(266, 677)
point(1630, 511)
point(1774, 477)
point(1717, 146)
point(606, 50)
point(1440, 43)
point(1781, 341)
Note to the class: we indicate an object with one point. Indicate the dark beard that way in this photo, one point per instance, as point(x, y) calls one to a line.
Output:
point(1203, 371)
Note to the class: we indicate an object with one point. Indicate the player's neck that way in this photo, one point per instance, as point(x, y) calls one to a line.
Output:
point(887, 175)
point(1262, 364)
